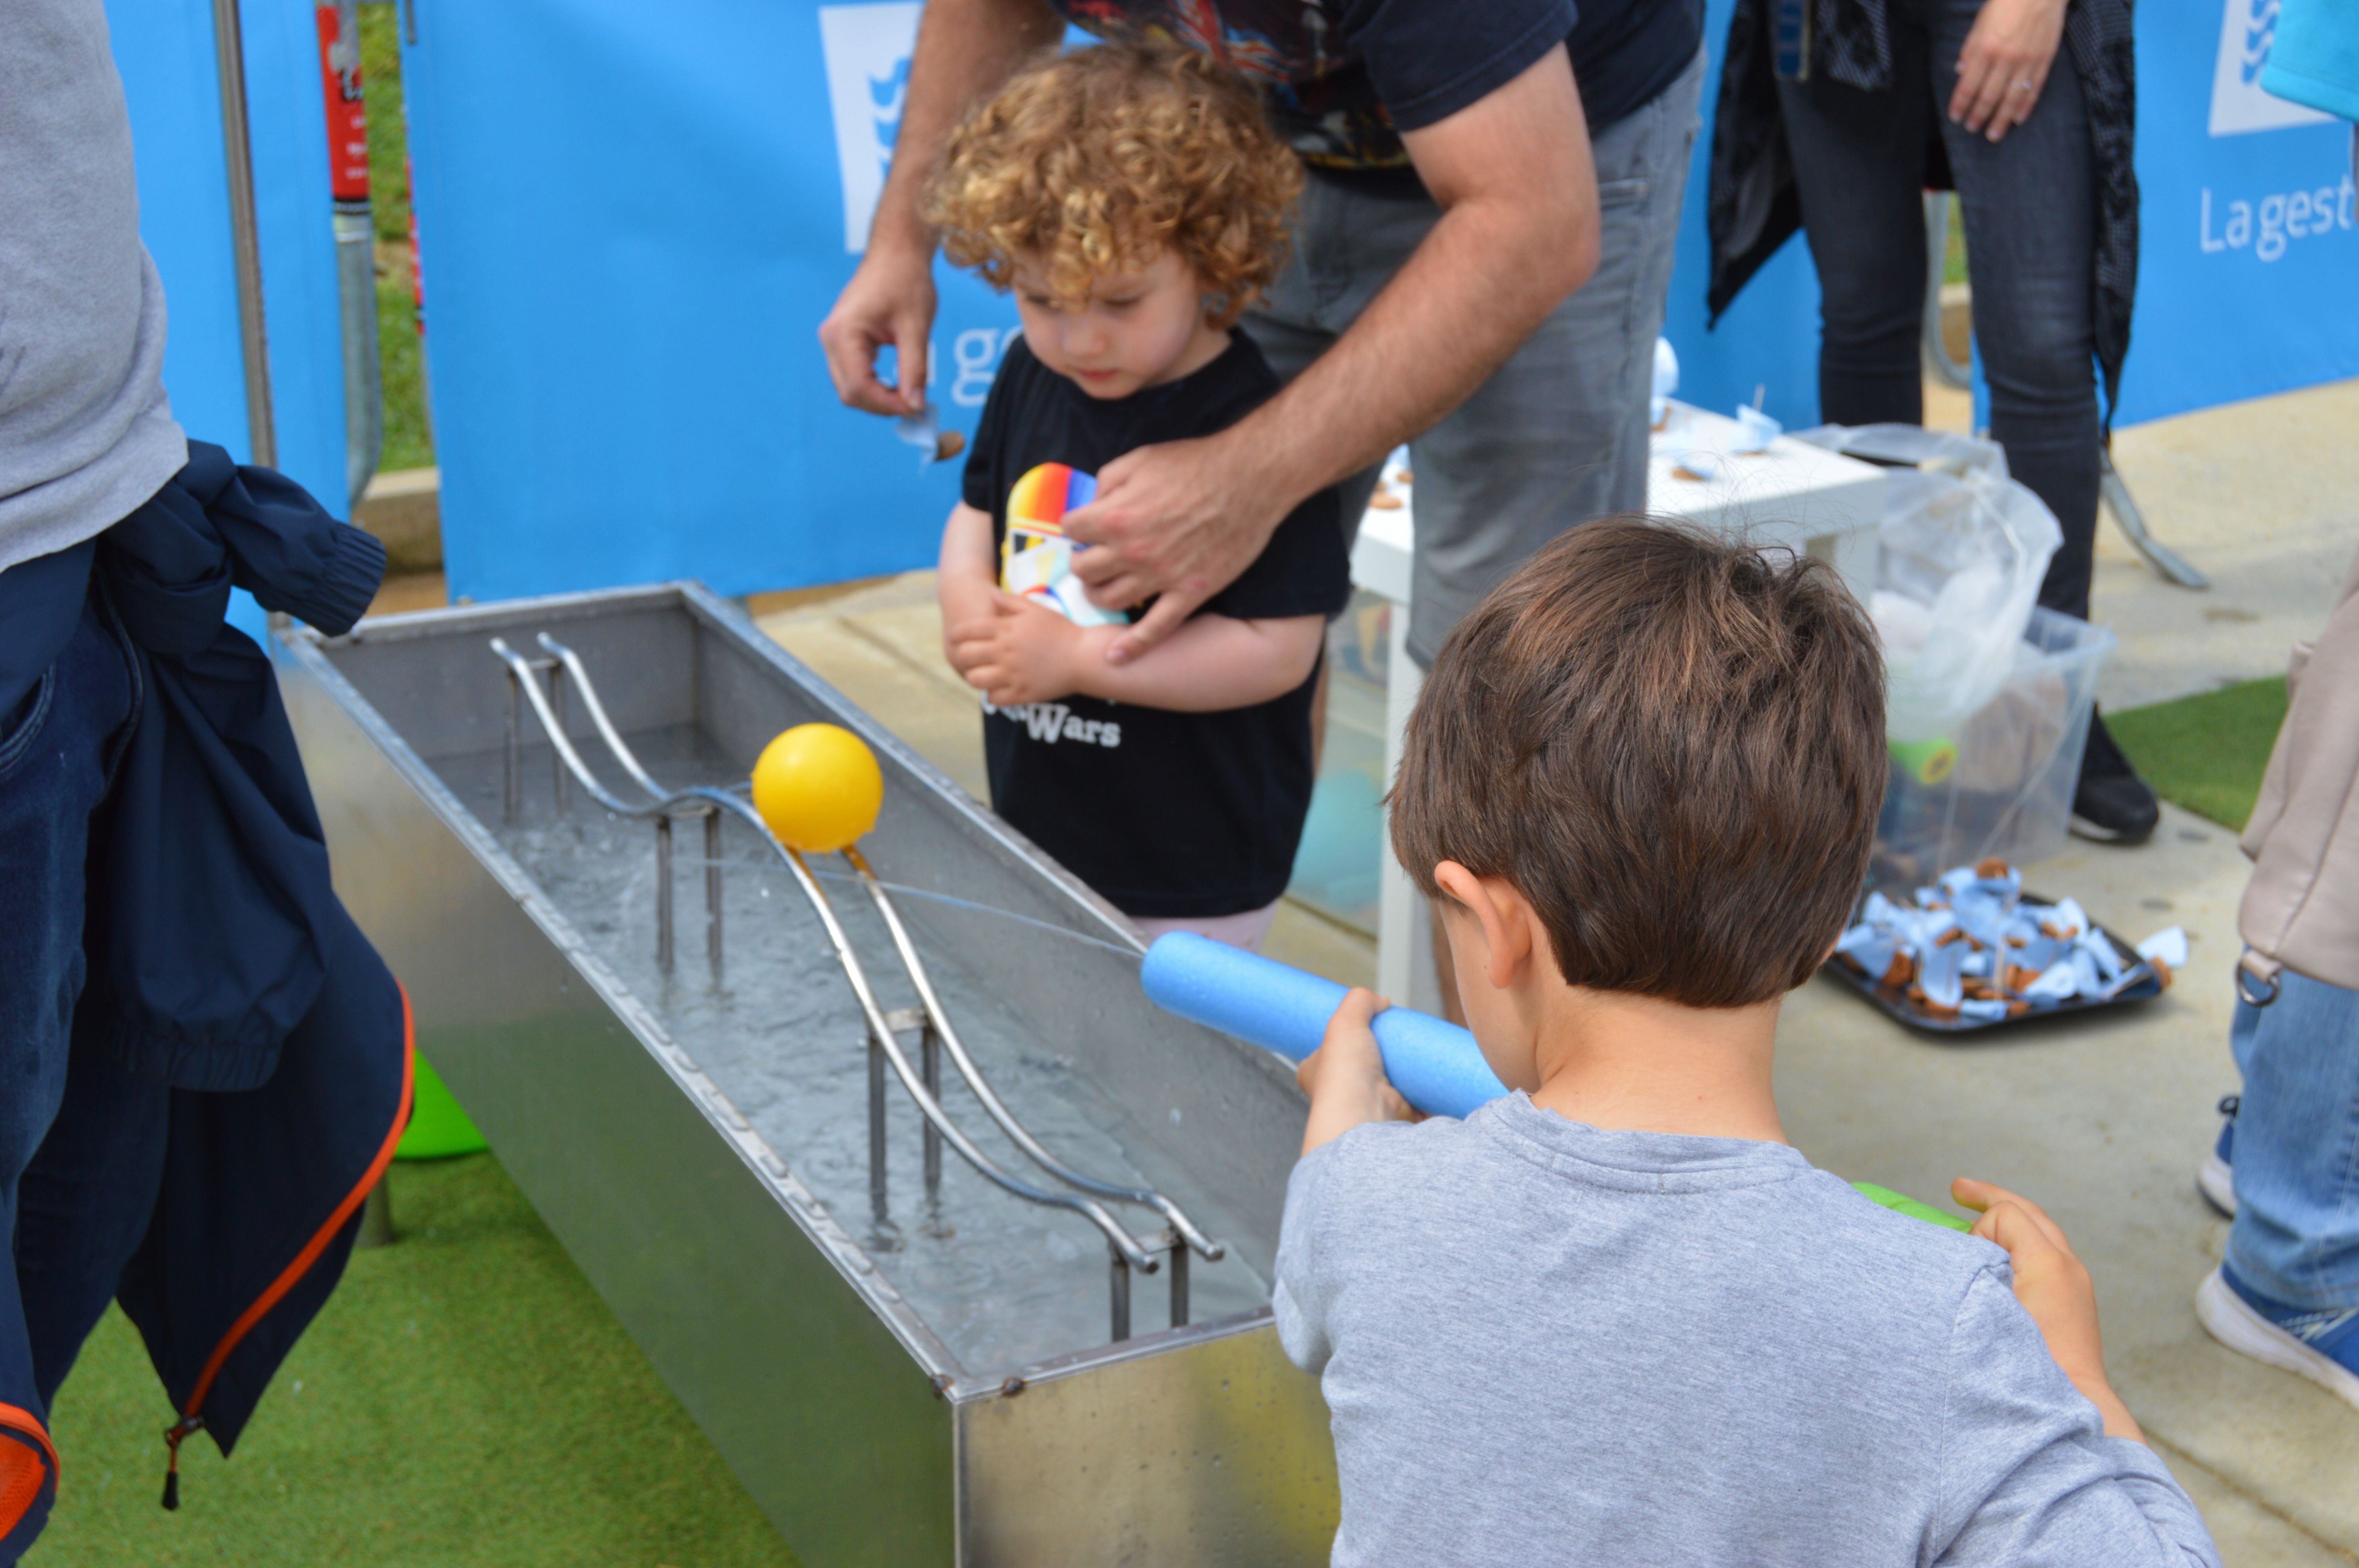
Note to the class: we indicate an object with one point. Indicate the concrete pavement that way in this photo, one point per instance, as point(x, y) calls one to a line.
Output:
point(2102, 1120)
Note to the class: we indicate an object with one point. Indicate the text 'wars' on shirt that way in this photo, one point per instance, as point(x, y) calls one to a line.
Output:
point(1054, 721)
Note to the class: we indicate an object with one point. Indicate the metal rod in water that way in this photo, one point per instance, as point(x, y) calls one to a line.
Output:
point(1130, 1246)
point(930, 1069)
point(933, 1010)
point(876, 1195)
point(663, 893)
point(556, 762)
point(1178, 1280)
point(1118, 1276)
point(512, 799)
point(713, 890)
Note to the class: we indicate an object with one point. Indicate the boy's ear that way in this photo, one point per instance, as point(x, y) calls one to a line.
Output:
point(1501, 912)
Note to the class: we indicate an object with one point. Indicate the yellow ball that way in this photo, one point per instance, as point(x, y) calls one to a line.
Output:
point(818, 787)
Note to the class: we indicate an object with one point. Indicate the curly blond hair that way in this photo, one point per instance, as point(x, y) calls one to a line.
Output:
point(1094, 160)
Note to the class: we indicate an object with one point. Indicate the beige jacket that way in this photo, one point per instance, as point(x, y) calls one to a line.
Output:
point(2301, 910)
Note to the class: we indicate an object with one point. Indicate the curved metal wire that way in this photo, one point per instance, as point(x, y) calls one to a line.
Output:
point(1212, 1250)
point(1135, 1252)
point(1185, 1227)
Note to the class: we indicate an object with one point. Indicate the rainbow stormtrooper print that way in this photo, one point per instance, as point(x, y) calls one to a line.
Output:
point(1036, 559)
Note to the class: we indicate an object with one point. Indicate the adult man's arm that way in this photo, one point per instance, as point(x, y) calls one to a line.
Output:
point(965, 47)
point(1518, 232)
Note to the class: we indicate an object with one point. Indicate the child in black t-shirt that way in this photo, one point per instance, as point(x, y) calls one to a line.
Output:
point(1135, 200)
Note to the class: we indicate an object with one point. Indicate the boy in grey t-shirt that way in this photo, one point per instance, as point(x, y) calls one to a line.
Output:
point(1614, 1318)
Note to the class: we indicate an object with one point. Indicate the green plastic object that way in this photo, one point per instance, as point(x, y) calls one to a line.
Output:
point(1901, 1203)
point(437, 1129)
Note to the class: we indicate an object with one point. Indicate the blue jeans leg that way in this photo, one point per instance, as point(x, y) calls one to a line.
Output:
point(2030, 206)
point(56, 753)
point(1557, 435)
point(2296, 1238)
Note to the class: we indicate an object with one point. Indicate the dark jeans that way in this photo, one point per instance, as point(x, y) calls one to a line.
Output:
point(2030, 209)
point(58, 752)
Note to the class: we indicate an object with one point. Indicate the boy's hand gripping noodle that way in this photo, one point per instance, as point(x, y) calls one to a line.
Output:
point(1436, 1066)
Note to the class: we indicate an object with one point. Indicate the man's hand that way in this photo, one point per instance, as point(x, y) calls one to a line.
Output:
point(1182, 519)
point(1517, 189)
point(1345, 1077)
point(966, 48)
point(1022, 652)
point(2054, 1288)
point(2004, 64)
point(890, 299)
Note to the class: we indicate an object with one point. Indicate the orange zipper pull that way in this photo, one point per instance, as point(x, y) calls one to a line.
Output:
point(172, 1436)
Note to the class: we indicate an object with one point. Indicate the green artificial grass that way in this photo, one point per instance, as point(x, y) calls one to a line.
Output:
point(465, 1401)
point(2206, 752)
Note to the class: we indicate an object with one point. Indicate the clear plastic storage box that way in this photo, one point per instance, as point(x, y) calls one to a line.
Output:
point(2002, 783)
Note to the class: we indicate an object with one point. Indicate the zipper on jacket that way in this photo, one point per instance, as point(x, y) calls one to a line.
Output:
point(191, 1420)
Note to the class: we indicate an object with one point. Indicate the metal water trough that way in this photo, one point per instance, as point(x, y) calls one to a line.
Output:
point(844, 1413)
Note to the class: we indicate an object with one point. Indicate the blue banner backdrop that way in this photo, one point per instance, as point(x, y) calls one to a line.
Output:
point(2249, 246)
point(632, 221)
point(164, 49)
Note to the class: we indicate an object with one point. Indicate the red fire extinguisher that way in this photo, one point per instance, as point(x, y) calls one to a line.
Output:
point(348, 187)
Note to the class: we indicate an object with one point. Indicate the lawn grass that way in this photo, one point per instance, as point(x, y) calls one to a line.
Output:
point(408, 439)
point(388, 135)
point(465, 1401)
point(2206, 752)
point(401, 360)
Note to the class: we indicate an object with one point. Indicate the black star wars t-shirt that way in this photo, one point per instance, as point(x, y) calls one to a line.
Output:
point(1165, 814)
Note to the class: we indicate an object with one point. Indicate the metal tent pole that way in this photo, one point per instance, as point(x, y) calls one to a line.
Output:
point(237, 150)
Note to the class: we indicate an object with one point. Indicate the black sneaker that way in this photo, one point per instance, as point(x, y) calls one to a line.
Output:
point(2113, 804)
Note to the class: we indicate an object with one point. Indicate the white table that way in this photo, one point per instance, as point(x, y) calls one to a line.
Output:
point(1821, 503)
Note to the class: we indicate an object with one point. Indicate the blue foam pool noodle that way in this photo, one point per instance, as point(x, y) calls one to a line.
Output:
point(1435, 1065)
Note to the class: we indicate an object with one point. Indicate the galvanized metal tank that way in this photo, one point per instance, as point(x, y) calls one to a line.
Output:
point(843, 1409)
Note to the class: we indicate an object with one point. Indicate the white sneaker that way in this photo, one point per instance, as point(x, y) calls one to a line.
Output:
point(2214, 1178)
point(2313, 1345)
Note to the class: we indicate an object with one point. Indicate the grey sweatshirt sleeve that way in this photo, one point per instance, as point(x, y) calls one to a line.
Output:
point(2027, 1475)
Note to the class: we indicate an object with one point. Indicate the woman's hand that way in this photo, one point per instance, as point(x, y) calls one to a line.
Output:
point(2004, 64)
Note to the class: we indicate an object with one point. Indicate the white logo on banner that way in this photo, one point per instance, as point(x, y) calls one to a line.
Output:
point(867, 49)
point(2238, 104)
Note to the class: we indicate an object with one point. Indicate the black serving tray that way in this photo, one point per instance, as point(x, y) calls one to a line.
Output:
point(1896, 1003)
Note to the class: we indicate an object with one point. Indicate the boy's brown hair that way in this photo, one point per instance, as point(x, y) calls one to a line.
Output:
point(1097, 158)
point(1672, 744)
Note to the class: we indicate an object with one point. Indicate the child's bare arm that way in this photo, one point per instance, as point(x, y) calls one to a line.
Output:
point(1025, 653)
point(1212, 663)
point(2054, 1288)
point(1345, 1077)
point(966, 579)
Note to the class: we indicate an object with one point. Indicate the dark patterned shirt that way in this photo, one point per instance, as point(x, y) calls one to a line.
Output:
point(1345, 78)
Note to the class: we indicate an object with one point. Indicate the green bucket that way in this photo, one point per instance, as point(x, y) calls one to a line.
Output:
point(438, 1128)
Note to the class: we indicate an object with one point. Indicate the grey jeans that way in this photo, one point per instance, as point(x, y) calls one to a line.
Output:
point(1557, 435)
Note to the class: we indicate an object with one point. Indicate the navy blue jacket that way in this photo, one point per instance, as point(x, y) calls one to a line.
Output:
point(219, 960)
